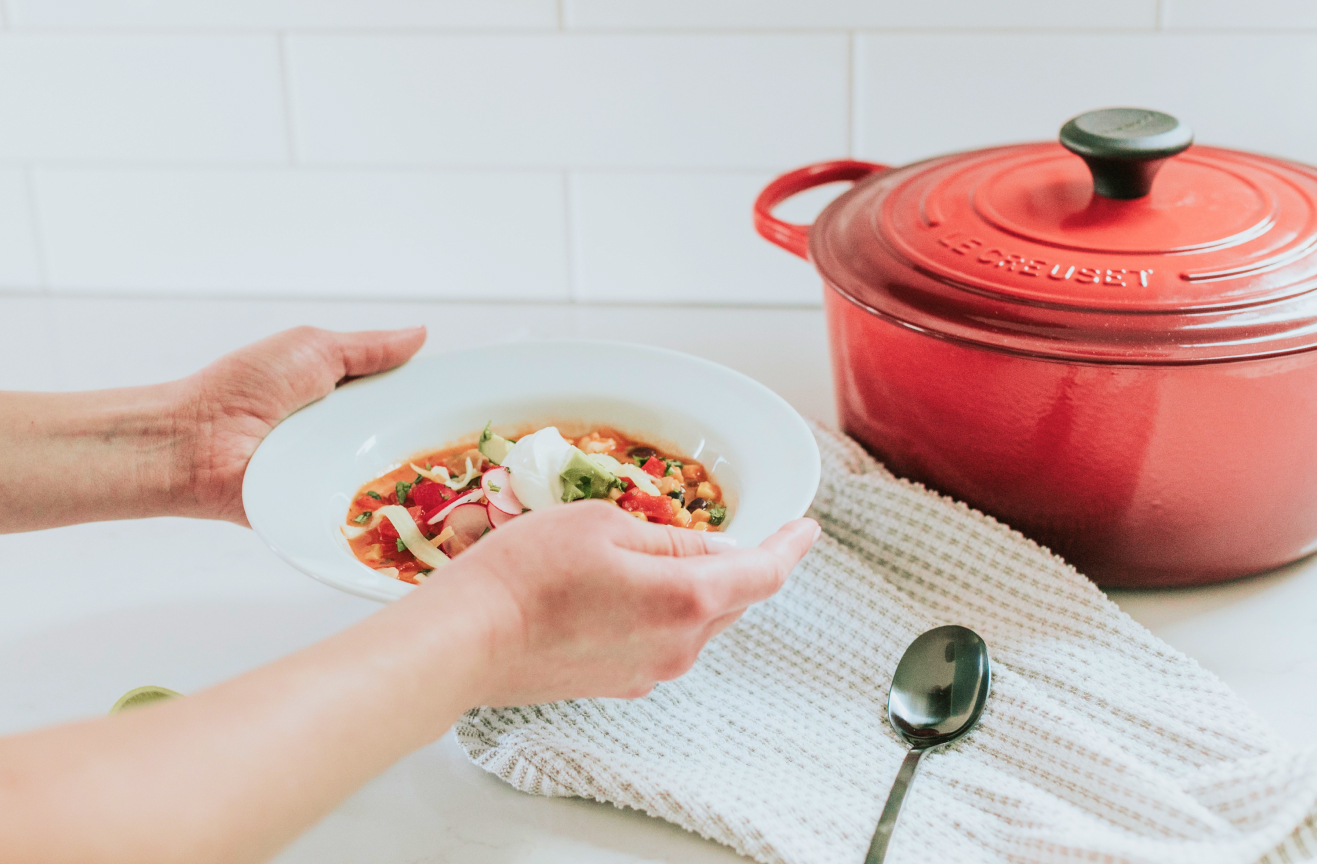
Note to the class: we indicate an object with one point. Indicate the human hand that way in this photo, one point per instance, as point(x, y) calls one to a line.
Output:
point(229, 407)
point(586, 601)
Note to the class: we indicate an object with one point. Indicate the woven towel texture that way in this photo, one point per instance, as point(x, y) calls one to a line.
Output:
point(1099, 742)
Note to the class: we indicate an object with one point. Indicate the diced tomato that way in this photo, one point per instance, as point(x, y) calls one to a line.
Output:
point(655, 466)
point(657, 508)
point(627, 484)
point(407, 571)
point(369, 504)
point(431, 496)
point(389, 534)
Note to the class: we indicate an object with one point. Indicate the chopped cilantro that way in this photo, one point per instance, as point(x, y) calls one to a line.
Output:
point(493, 488)
point(424, 572)
point(402, 547)
point(403, 488)
point(717, 513)
point(418, 479)
point(374, 495)
point(362, 519)
point(640, 460)
point(673, 466)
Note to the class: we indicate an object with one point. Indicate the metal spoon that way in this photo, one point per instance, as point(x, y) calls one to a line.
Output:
point(937, 695)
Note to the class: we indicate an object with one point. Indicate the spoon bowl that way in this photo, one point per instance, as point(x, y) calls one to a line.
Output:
point(937, 695)
point(939, 687)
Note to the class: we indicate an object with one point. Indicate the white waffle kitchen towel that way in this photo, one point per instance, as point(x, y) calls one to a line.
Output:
point(1099, 743)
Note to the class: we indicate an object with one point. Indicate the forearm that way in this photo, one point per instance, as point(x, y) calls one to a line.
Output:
point(86, 457)
point(233, 773)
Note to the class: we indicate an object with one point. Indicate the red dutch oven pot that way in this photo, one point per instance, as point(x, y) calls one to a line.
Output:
point(1108, 343)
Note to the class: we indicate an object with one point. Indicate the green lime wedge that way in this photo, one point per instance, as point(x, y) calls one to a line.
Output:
point(142, 696)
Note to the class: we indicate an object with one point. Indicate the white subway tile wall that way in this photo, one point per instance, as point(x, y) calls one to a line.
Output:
point(140, 99)
point(569, 100)
point(678, 238)
point(1235, 14)
point(19, 265)
point(305, 233)
point(558, 151)
point(1251, 91)
point(844, 14)
point(354, 14)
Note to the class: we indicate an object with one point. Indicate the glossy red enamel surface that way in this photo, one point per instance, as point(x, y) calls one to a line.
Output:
point(1129, 382)
point(1139, 475)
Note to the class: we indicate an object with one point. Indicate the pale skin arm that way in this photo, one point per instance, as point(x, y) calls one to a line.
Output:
point(174, 449)
point(606, 606)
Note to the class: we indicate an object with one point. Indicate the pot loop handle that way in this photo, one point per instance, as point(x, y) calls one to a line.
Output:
point(790, 236)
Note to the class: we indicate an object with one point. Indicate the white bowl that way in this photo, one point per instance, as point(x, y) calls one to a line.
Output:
point(300, 481)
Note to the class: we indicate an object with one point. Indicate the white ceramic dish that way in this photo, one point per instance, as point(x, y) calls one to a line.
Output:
point(298, 485)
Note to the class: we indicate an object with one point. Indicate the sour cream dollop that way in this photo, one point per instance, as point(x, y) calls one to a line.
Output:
point(535, 466)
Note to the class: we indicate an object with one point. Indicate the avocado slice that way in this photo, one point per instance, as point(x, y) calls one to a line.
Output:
point(585, 478)
point(494, 447)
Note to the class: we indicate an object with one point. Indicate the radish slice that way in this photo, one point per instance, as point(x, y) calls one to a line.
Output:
point(468, 498)
point(468, 522)
point(497, 518)
point(498, 489)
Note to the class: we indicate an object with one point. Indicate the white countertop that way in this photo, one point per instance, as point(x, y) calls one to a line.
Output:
point(92, 611)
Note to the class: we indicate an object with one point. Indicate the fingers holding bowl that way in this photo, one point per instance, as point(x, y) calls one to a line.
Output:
point(738, 578)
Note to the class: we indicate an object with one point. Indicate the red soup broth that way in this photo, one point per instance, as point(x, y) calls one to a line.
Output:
point(689, 498)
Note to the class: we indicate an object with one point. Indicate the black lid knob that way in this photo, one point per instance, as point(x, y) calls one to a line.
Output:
point(1125, 147)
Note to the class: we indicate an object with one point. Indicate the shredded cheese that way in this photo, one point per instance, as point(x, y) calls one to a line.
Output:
point(412, 537)
point(460, 482)
point(438, 475)
point(352, 532)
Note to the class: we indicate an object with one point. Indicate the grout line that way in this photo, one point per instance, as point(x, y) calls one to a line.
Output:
point(561, 27)
point(286, 94)
point(227, 30)
point(235, 297)
point(569, 237)
point(381, 167)
point(38, 232)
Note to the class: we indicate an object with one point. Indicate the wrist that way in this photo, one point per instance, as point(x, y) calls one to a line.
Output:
point(154, 442)
point(463, 604)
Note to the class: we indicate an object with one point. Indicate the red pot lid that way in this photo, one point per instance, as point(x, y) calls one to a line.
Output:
point(1110, 246)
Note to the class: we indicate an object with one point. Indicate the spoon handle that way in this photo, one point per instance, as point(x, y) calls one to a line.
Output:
point(887, 822)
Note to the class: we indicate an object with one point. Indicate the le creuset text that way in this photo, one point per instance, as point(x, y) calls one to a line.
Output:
point(962, 244)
